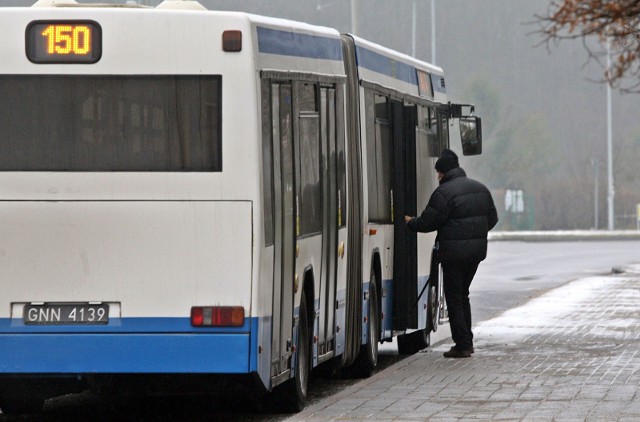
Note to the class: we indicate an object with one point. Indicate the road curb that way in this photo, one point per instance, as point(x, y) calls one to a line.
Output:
point(563, 236)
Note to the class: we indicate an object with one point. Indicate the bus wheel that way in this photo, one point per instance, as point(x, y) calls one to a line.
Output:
point(367, 360)
point(432, 308)
point(291, 397)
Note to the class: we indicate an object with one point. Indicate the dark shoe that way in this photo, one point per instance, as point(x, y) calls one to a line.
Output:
point(454, 348)
point(455, 353)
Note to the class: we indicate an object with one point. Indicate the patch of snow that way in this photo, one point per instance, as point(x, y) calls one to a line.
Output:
point(590, 306)
point(565, 235)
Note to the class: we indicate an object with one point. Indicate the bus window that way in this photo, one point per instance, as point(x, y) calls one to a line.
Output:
point(307, 97)
point(424, 150)
point(310, 193)
point(379, 158)
point(110, 123)
point(443, 123)
point(424, 138)
point(432, 132)
point(384, 163)
point(268, 113)
point(341, 163)
point(437, 130)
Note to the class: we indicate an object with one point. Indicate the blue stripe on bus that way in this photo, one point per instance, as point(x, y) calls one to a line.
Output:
point(384, 65)
point(287, 43)
point(128, 353)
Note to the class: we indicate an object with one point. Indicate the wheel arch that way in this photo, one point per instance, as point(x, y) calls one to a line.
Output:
point(308, 290)
point(376, 269)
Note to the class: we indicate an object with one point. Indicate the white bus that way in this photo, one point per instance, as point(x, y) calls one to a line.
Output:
point(208, 200)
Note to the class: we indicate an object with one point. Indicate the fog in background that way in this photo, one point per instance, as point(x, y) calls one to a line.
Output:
point(544, 110)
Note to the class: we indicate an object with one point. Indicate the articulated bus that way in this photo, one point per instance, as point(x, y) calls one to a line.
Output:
point(209, 200)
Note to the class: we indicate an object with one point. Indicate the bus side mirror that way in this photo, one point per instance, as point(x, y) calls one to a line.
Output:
point(471, 135)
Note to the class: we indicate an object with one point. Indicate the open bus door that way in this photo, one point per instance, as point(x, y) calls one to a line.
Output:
point(405, 250)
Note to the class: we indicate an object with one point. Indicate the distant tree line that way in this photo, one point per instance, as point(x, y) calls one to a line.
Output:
point(521, 153)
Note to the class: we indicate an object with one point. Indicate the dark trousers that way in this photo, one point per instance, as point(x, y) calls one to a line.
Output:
point(457, 279)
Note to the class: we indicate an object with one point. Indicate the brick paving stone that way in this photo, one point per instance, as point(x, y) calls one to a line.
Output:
point(569, 355)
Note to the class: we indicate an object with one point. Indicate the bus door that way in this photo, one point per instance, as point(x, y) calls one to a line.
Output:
point(405, 262)
point(284, 233)
point(330, 221)
point(315, 145)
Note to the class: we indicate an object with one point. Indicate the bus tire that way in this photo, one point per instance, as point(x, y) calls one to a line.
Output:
point(291, 397)
point(367, 360)
point(432, 308)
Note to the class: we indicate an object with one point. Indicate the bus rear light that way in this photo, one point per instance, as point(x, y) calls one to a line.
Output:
point(217, 316)
point(232, 41)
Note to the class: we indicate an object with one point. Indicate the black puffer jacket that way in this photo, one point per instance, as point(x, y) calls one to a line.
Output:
point(462, 211)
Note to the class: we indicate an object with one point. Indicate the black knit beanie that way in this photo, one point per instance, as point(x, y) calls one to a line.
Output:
point(448, 161)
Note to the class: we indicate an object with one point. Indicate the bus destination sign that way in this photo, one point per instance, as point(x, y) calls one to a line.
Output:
point(64, 42)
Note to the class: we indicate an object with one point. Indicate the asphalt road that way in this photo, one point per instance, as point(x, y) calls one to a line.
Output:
point(515, 272)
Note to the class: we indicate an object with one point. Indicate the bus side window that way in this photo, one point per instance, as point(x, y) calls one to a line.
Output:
point(427, 147)
point(310, 192)
point(443, 130)
point(341, 163)
point(431, 129)
point(379, 157)
point(267, 160)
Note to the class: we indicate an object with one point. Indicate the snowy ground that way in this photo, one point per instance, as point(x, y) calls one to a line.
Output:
point(565, 310)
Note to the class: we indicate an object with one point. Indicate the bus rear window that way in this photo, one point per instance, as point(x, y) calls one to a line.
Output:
point(110, 123)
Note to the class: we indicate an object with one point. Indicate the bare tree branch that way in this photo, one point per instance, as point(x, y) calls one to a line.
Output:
point(615, 21)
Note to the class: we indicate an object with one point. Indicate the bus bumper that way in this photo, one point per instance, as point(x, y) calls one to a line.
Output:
point(103, 353)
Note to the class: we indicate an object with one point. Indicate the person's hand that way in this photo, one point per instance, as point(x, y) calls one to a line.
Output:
point(407, 219)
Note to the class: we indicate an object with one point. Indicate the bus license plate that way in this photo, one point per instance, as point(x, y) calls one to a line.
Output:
point(66, 313)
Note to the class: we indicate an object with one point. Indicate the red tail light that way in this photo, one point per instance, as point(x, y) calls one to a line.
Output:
point(197, 319)
point(217, 316)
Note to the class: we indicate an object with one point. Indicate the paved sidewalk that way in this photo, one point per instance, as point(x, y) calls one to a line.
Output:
point(573, 354)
